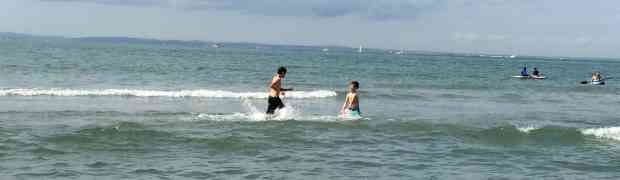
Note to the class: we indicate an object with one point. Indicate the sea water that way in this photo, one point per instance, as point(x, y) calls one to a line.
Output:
point(86, 110)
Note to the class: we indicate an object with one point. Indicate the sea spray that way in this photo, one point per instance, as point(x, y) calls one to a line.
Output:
point(253, 113)
point(289, 112)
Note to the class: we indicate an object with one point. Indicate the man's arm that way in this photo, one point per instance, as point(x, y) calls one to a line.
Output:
point(275, 83)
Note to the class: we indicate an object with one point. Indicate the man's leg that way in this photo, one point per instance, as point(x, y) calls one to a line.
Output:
point(271, 106)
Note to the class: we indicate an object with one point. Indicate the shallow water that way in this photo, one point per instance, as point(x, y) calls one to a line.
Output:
point(71, 110)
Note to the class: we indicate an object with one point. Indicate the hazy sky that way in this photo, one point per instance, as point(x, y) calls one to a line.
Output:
point(533, 27)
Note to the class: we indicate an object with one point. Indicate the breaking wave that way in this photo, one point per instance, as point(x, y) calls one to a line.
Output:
point(606, 132)
point(612, 133)
point(159, 93)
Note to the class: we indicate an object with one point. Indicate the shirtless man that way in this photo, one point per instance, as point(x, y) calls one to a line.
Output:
point(275, 89)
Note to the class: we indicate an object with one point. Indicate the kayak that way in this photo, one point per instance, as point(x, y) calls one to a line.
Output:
point(538, 77)
point(598, 83)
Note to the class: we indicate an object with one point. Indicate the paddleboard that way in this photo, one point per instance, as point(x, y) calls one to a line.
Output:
point(521, 77)
point(529, 77)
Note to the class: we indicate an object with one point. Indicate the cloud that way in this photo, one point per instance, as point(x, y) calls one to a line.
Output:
point(371, 9)
point(548, 27)
point(116, 2)
point(459, 36)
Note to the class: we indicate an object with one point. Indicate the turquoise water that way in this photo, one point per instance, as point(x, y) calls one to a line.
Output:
point(77, 110)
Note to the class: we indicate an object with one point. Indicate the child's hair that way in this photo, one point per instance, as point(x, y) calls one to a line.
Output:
point(281, 70)
point(355, 84)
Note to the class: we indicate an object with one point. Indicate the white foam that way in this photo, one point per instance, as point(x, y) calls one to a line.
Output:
point(349, 117)
point(607, 132)
point(527, 129)
point(159, 93)
point(290, 112)
point(236, 117)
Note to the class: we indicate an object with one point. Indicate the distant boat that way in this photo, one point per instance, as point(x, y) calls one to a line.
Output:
point(325, 50)
point(513, 56)
point(400, 52)
point(361, 49)
point(216, 45)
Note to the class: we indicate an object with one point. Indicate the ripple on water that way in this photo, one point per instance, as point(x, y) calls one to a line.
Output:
point(196, 175)
point(97, 164)
point(52, 173)
point(47, 151)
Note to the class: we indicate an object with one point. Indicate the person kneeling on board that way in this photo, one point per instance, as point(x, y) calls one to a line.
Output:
point(597, 78)
point(524, 72)
point(536, 73)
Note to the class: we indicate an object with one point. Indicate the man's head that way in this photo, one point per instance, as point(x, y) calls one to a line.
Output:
point(354, 85)
point(282, 71)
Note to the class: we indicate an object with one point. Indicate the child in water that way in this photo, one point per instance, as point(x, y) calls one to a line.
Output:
point(351, 106)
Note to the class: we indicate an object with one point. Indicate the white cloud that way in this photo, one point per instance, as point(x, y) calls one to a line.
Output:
point(499, 26)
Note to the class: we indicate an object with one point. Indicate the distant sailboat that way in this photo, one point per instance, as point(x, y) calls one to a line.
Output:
point(216, 45)
point(361, 49)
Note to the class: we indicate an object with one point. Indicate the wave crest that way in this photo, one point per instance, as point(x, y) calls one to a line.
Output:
point(608, 132)
point(612, 133)
point(159, 93)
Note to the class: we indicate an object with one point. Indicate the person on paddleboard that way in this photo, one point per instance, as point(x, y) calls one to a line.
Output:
point(524, 71)
point(351, 106)
point(275, 89)
point(536, 72)
point(597, 76)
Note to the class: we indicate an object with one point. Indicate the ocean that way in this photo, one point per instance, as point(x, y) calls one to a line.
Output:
point(101, 110)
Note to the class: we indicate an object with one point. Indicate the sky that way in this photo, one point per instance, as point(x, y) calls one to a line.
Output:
point(570, 28)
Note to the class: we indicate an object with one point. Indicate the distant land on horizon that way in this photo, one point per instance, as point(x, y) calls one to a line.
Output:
point(248, 45)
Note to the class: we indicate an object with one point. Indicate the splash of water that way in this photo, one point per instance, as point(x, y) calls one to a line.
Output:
point(289, 112)
point(252, 113)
